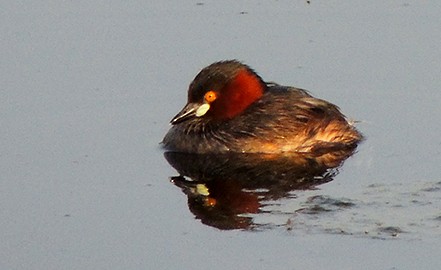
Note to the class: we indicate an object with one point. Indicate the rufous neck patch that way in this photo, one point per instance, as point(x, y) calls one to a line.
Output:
point(240, 93)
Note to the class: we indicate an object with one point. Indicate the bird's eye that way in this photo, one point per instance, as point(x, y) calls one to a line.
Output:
point(210, 96)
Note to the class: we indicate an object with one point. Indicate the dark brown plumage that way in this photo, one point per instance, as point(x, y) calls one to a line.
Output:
point(230, 108)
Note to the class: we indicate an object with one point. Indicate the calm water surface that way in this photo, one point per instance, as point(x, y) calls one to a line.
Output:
point(87, 90)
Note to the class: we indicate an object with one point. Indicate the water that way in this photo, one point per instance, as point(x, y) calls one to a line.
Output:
point(87, 90)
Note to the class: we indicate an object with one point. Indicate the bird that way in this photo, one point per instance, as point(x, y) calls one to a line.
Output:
point(230, 108)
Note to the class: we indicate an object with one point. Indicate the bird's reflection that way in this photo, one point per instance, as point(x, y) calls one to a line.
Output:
point(225, 190)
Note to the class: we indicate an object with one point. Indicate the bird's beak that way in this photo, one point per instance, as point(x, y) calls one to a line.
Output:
point(189, 111)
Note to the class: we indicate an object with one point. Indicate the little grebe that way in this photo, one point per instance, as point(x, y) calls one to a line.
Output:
point(230, 108)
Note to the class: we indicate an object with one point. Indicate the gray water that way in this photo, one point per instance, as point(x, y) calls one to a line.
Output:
point(87, 90)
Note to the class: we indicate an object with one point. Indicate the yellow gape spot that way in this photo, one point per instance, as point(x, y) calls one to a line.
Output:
point(203, 109)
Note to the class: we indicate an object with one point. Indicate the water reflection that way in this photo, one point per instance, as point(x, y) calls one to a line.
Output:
point(226, 190)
